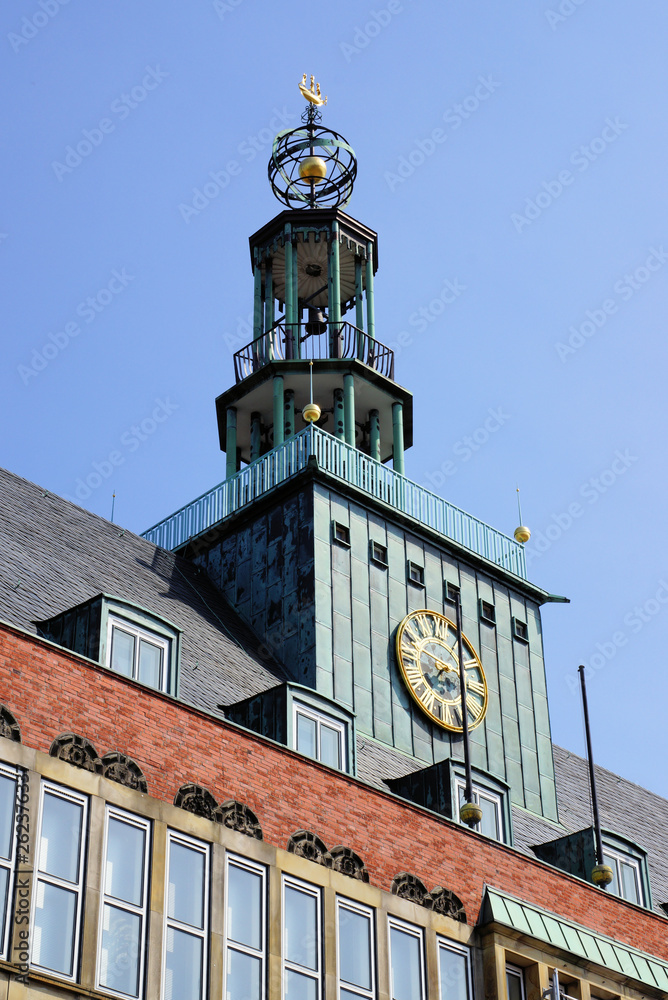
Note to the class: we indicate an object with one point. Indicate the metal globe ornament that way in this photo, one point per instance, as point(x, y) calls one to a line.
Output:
point(313, 169)
point(522, 534)
point(470, 813)
point(602, 875)
point(311, 413)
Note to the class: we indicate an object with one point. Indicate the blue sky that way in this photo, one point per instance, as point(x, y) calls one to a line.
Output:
point(517, 151)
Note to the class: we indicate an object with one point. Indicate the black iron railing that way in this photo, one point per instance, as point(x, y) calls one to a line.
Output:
point(313, 342)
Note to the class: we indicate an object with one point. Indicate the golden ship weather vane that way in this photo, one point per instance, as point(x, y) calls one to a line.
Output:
point(313, 95)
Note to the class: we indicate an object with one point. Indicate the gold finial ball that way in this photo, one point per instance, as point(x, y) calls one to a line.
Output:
point(602, 875)
point(522, 534)
point(470, 813)
point(311, 413)
point(313, 168)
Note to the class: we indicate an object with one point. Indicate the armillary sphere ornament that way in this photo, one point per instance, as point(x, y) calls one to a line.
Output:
point(311, 166)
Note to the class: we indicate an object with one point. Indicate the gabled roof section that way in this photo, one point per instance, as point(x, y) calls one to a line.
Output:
point(56, 555)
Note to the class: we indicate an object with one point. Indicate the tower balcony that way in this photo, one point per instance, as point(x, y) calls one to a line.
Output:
point(309, 341)
point(346, 464)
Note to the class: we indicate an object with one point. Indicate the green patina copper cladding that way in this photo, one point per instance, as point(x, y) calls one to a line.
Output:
point(289, 310)
point(257, 303)
point(278, 410)
point(289, 410)
point(296, 311)
point(231, 443)
point(370, 309)
point(349, 409)
point(269, 315)
point(339, 415)
point(256, 435)
point(334, 287)
point(359, 300)
point(398, 438)
point(374, 434)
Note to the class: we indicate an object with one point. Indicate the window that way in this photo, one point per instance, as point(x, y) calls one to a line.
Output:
point(245, 930)
point(451, 592)
point(487, 612)
point(135, 652)
point(355, 958)
point(301, 944)
point(415, 574)
point(491, 823)
point(59, 876)
point(341, 534)
point(319, 736)
point(186, 918)
point(406, 961)
point(520, 630)
point(626, 880)
point(378, 553)
point(454, 972)
point(123, 914)
point(515, 983)
point(9, 826)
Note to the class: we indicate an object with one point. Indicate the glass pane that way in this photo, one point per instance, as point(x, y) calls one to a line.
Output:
point(122, 651)
point(119, 956)
point(244, 907)
point(354, 948)
point(614, 885)
point(330, 746)
point(452, 969)
point(298, 987)
point(53, 940)
point(305, 735)
point(185, 892)
point(301, 928)
point(150, 663)
point(60, 841)
point(4, 885)
point(243, 976)
point(125, 862)
point(406, 972)
point(183, 966)
point(514, 985)
point(629, 882)
point(347, 995)
point(7, 798)
point(489, 824)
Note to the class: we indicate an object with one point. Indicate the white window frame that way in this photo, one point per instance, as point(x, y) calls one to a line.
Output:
point(138, 633)
point(171, 923)
point(445, 944)
point(9, 864)
point(286, 966)
point(77, 888)
point(518, 973)
point(301, 708)
point(238, 861)
point(480, 792)
point(112, 812)
point(342, 903)
point(393, 923)
point(619, 857)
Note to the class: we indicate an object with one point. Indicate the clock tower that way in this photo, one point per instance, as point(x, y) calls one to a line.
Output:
point(347, 571)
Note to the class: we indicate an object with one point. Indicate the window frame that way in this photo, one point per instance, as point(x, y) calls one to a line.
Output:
point(518, 972)
point(415, 573)
point(78, 888)
point(344, 903)
point(308, 888)
point(618, 858)
point(115, 620)
point(378, 553)
point(494, 797)
point(15, 775)
point(446, 944)
point(132, 819)
point(341, 534)
point(320, 717)
point(238, 861)
point(171, 923)
point(414, 930)
point(487, 612)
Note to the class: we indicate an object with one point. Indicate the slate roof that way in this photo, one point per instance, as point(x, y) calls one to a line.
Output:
point(55, 555)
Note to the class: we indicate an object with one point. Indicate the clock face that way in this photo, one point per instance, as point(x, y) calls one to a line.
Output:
point(427, 655)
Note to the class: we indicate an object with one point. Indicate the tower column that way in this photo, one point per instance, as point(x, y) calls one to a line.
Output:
point(370, 310)
point(334, 292)
point(255, 435)
point(278, 410)
point(231, 443)
point(257, 301)
point(349, 409)
point(398, 438)
point(339, 419)
point(269, 317)
point(359, 307)
point(289, 311)
point(289, 411)
point(374, 434)
point(296, 311)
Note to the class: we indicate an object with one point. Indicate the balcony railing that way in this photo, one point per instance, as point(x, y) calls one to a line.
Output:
point(352, 467)
point(313, 342)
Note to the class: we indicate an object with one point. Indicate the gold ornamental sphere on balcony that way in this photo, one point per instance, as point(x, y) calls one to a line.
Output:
point(313, 169)
point(470, 813)
point(311, 413)
point(522, 534)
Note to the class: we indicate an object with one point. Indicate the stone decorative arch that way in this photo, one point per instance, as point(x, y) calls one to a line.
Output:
point(307, 845)
point(9, 727)
point(196, 799)
point(446, 902)
point(117, 767)
point(237, 816)
point(344, 860)
point(77, 751)
point(408, 886)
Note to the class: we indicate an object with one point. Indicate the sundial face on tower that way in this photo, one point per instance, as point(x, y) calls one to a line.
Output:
point(428, 659)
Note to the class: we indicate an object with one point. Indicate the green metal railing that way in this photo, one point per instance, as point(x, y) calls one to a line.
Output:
point(352, 467)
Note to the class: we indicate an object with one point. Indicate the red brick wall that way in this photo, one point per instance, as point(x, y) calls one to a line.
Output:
point(52, 692)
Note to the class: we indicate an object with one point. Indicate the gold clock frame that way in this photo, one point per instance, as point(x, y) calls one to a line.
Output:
point(412, 674)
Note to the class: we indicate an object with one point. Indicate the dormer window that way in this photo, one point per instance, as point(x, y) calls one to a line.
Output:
point(137, 653)
point(319, 736)
point(629, 870)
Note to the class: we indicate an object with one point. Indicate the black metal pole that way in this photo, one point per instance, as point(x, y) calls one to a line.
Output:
point(592, 777)
point(468, 791)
